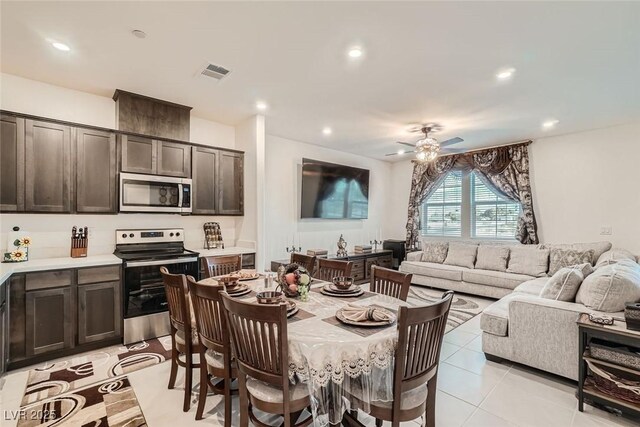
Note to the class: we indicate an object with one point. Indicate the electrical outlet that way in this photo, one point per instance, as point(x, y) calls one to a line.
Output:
point(605, 231)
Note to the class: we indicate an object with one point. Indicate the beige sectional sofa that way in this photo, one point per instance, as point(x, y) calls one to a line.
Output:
point(525, 327)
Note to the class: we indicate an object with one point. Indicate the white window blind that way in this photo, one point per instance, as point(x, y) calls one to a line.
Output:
point(442, 211)
point(492, 216)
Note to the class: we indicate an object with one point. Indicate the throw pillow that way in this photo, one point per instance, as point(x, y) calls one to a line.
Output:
point(598, 248)
point(528, 260)
point(461, 254)
point(414, 256)
point(559, 258)
point(610, 287)
point(613, 256)
point(492, 257)
point(435, 251)
point(564, 285)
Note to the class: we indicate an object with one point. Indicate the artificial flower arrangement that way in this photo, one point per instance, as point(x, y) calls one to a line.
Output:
point(20, 251)
point(294, 280)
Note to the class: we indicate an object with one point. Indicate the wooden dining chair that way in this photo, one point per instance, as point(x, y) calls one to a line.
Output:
point(220, 265)
point(306, 261)
point(259, 340)
point(390, 282)
point(420, 333)
point(215, 346)
point(184, 335)
point(330, 268)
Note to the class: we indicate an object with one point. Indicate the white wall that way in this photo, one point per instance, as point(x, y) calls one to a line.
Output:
point(51, 232)
point(581, 182)
point(283, 175)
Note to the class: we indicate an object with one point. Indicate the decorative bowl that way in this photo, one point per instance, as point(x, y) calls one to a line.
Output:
point(270, 297)
point(343, 282)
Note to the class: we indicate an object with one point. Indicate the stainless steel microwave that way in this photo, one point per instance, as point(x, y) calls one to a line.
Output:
point(153, 193)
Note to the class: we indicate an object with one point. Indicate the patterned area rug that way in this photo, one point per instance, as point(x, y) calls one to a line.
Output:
point(108, 403)
point(463, 308)
point(62, 377)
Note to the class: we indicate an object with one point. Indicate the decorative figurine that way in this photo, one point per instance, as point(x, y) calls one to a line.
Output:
point(342, 247)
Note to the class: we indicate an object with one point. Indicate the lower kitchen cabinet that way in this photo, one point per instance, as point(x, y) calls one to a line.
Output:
point(49, 320)
point(99, 312)
point(4, 331)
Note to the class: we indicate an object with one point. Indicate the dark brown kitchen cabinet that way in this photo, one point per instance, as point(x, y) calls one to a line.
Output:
point(204, 168)
point(174, 159)
point(47, 167)
point(49, 320)
point(96, 189)
point(139, 155)
point(11, 164)
point(4, 325)
point(99, 311)
point(230, 182)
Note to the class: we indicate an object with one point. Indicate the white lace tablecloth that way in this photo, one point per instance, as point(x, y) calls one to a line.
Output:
point(333, 359)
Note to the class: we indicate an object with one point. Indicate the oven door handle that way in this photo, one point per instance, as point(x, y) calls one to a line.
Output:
point(161, 262)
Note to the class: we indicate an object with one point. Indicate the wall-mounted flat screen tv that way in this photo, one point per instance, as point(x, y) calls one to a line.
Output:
point(334, 191)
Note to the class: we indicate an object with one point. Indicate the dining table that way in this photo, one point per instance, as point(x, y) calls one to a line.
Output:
point(337, 360)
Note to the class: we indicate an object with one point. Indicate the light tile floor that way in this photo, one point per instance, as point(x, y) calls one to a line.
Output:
point(472, 392)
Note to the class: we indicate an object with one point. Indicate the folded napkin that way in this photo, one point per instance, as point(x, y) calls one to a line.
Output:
point(356, 313)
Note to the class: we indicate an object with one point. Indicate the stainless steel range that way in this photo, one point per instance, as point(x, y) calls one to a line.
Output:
point(143, 253)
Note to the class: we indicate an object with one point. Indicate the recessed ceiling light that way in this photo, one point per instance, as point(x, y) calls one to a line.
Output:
point(401, 152)
point(327, 131)
point(505, 74)
point(550, 123)
point(261, 105)
point(355, 52)
point(139, 34)
point(61, 46)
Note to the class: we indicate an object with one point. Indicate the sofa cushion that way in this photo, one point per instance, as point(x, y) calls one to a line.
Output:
point(564, 284)
point(560, 258)
point(610, 287)
point(613, 256)
point(434, 251)
point(414, 256)
point(432, 269)
point(498, 279)
point(492, 257)
point(532, 287)
point(461, 254)
point(528, 260)
point(598, 247)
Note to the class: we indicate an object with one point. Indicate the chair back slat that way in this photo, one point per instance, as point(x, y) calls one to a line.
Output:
point(306, 261)
point(175, 287)
point(209, 314)
point(330, 268)
point(390, 282)
point(420, 333)
point(259, 339)
point(214, 266)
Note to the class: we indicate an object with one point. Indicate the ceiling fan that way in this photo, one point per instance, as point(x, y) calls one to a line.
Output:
point(427, 148)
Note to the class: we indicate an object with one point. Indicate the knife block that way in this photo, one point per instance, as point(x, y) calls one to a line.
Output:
point(79, 247)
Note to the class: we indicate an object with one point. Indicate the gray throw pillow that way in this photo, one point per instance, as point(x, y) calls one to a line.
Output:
point(560, 258)
point(528, 260)
point(461, 254)
point(610, 287)
point(434, 251)
point(598, 248)
point(564, 285)
point(492, 257)
point(613, 256)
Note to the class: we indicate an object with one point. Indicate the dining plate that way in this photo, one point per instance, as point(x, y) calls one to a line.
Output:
point(352, 290)
point(239, 293)
point(254, 277)
point(366, 323)
point(328, 292)
point(293, 312)
point(241, 287)
point(291, 305)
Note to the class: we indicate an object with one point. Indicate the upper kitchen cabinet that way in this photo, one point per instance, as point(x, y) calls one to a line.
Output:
point(47, 168)
point(230, 183)
point(205, 166)
point(95, 171)
point(11, 163)
point(153, 157)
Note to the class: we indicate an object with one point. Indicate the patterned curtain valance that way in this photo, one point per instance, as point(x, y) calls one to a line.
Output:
point(505, 169)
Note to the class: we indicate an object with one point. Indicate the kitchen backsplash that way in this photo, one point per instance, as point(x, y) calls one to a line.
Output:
point(51, 234)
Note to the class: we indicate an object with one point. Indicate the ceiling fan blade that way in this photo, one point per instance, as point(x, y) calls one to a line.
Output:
point(450, 151)
point(406, 143)
point(400, 154)
point(451, 141)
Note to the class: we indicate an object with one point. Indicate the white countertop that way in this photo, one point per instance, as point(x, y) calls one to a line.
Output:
point(237, 250)
point(7, 269)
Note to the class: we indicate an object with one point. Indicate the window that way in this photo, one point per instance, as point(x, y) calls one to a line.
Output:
point(463, 206)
